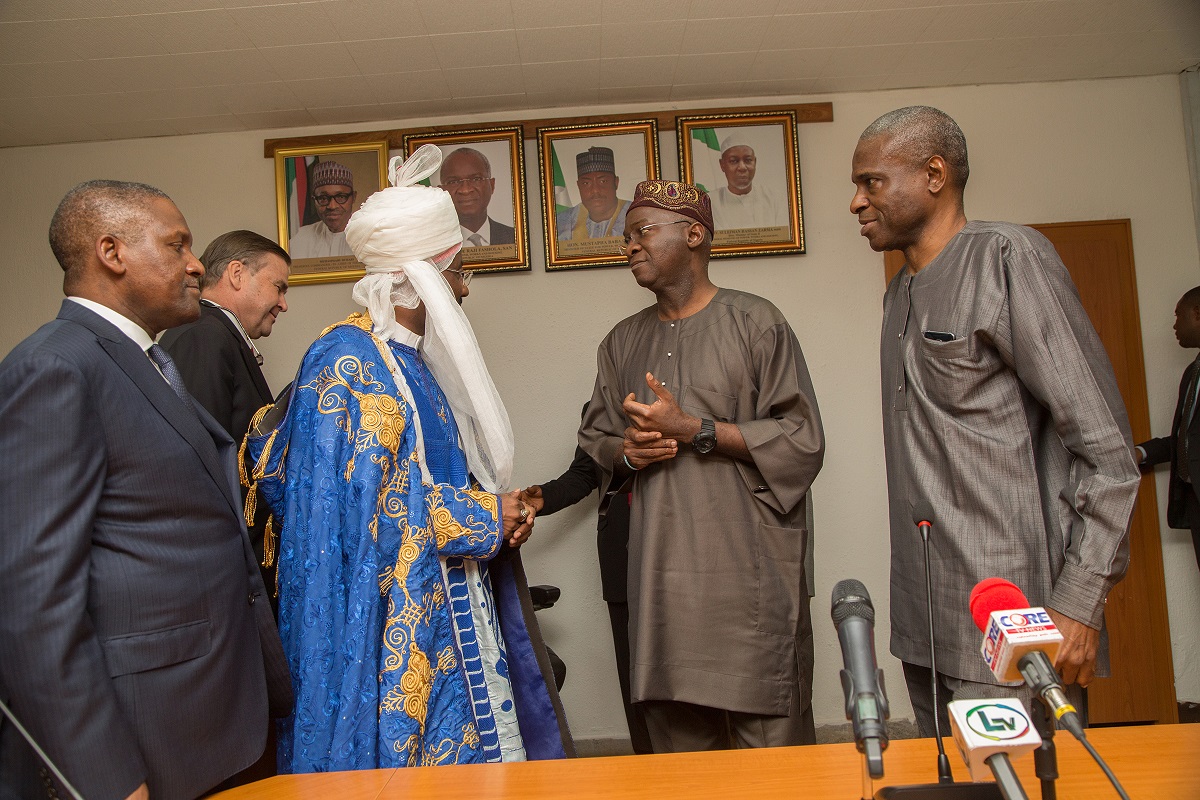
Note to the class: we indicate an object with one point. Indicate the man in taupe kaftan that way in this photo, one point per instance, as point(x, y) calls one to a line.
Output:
point(703, 408)
point(1000, 412)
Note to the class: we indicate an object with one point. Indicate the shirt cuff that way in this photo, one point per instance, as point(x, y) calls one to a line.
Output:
point(1080, 595)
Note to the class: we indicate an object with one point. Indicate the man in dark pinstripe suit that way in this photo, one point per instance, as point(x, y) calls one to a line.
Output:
point(136, 643)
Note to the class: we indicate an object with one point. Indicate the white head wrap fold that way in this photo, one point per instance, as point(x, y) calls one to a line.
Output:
point(405, 236)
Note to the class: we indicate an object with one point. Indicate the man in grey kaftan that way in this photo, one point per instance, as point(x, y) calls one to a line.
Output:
point(719, 448)
point(1000, 413)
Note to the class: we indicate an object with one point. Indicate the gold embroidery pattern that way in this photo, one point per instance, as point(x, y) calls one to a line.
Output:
point(444, 752)
point(474, 529)
point(380, 425)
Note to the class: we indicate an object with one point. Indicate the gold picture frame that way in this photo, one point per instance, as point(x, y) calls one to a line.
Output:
point(488, 169)
point(750, 166)
point(320, 254)
point(622, 154)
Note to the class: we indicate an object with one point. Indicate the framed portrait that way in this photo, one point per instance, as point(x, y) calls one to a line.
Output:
point(750, 166)
point(588, 176)
point(316, 191)
point(483, 170)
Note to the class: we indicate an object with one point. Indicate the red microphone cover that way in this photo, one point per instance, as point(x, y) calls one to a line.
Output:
point(994, 594)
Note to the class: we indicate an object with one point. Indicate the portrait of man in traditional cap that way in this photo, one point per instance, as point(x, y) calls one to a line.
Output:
point(331, 189)
point(600, 213)
point(742, 203)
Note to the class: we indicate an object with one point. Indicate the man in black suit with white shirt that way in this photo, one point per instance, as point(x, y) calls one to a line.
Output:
point(1182, 448)
point(242, 293)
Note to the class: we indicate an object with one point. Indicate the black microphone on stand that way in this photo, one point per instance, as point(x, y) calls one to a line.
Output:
point(862, 681)
point(945, 788)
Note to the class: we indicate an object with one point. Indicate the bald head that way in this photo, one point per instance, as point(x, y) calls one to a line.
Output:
point(93, 209)
point(917, 133)
point(469, 158)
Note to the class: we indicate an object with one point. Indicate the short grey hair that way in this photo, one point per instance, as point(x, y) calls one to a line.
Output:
point(93, 209)
point(920, 132)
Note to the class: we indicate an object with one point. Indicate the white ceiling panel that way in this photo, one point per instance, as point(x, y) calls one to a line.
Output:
point(305, 61)
point(480, 49)
point(97, 69)
point(575, 43)
point(406, 54)
point(409, 87)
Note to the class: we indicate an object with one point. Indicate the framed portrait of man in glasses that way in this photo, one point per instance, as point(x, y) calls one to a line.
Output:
point(483, 170)
point(316, 191)
point(588, 176)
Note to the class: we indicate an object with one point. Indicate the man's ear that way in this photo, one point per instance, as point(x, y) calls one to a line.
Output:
point(935, 173)
point(110, 251)
point(237, 273)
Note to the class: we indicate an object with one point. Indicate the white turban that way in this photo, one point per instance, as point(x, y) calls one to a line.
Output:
point(405, 236)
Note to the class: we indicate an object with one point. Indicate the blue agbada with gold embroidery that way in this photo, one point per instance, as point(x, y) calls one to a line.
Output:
point(381, 641)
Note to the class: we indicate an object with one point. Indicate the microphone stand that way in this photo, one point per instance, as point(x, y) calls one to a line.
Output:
point(943, 763)
point(945, 788)
point(1045, 759)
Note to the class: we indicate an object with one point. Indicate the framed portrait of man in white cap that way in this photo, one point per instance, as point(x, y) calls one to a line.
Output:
point(588, 173)
point(483, 171)
point(316, 191)
point(749, 164)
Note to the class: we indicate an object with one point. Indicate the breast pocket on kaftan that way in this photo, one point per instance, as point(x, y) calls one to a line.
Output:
point(707, 403)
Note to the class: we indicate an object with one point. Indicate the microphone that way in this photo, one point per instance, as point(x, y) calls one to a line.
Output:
point(1020, 643)
point(862, 680)
point(923, 519)
point(988, 733)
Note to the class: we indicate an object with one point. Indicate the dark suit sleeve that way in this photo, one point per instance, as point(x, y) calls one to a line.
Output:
point(1158, 451)
point(206, 357)
point(51, 665)
point(576, 483)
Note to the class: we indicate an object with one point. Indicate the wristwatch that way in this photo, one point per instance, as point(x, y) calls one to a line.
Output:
point(705, 441)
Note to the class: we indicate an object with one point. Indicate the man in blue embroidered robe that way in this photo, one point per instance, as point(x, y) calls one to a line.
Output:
point(402, 603)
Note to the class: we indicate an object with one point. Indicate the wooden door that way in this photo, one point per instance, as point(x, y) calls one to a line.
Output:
point(1099, 256)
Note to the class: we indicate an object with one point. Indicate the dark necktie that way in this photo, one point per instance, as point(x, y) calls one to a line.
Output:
point(171, 373)
point(1182, 470)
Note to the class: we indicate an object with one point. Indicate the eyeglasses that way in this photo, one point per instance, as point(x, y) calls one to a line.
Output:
point(456, 183)
point(340, 198)
point(640, 233)
point(463, 275)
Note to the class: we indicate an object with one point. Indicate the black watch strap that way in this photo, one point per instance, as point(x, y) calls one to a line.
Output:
point(705, 441)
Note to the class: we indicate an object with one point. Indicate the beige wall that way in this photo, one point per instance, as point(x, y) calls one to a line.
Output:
point(1039, 152)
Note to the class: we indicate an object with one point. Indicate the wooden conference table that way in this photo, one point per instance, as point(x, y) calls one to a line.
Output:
point(1152, 762)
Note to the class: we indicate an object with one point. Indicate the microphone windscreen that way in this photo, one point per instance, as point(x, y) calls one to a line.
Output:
point(922, 513)
point(994, 594)
point(850, 599)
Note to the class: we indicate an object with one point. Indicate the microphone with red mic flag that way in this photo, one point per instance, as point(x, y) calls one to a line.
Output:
point(1020, 642)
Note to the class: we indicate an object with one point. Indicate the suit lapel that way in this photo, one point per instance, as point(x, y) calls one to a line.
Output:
point(138, 367)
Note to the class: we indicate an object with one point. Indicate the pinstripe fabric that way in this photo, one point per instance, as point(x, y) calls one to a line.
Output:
point(131, 642)
point(1013, 432)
